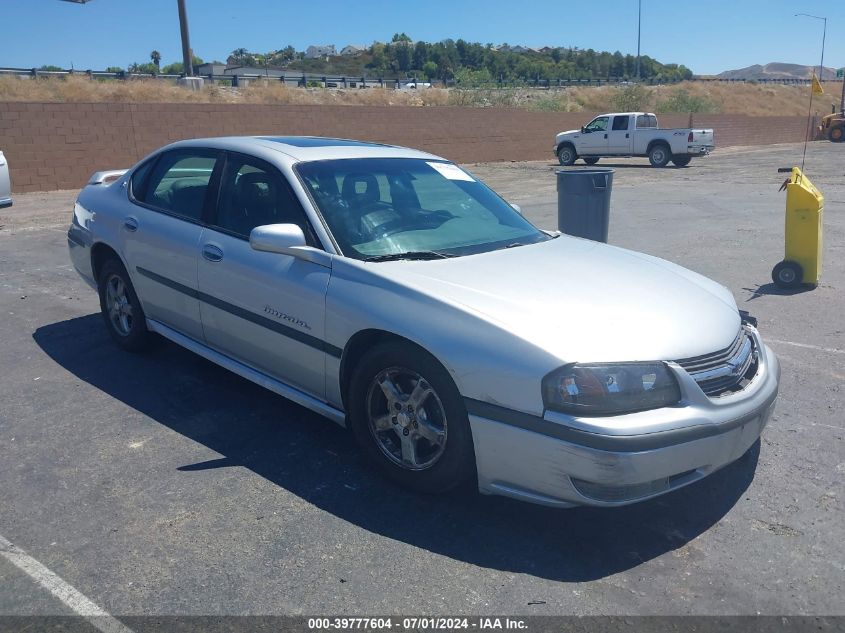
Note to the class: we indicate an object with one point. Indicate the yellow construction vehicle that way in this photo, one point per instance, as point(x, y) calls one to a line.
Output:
point(833, 127)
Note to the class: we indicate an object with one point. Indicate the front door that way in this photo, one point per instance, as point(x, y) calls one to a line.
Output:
point(593, 141)
point(266, 310)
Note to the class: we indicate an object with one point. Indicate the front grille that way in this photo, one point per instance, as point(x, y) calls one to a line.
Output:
point(726, 371)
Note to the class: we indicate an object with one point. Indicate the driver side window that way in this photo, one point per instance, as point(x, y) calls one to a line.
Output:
point(597, 125)
point(253, 193)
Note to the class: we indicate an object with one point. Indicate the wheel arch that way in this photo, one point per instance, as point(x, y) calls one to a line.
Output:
point(658, 141)
point(567, 142)
point(363, 341)
point(100, 254)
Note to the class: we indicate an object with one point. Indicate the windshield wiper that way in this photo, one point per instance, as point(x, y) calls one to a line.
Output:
point(421, 255)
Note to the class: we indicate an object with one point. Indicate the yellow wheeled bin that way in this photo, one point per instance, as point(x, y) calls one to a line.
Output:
point(802, 262)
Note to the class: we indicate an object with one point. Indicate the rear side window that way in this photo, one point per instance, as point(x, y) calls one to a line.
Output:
point(646, 120)
point(620, 122)
point(179, 182)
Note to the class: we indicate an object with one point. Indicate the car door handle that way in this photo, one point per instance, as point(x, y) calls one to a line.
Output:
point(605, 135)
point(212, 253)
point(130, 224)
point(627, 136)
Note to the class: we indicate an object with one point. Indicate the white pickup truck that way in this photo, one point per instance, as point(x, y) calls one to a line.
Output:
point(632, 134)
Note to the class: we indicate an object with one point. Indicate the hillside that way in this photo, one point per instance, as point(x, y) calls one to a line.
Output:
point(775, 70)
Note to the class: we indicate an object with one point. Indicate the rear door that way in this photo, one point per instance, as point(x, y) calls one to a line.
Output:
point(619, 141)
point(161, 234)
point(266, 310)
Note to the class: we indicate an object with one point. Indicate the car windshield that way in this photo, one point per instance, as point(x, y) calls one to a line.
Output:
point(383, 208)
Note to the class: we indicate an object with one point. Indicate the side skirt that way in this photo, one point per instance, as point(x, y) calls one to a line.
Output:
point(244, 371)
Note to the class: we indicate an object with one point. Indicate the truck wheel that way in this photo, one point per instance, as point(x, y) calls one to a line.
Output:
point(566, 155)
point(659, 155)
point(591, 160)
point(681, 160)
point(787, 274)
point(836, 134)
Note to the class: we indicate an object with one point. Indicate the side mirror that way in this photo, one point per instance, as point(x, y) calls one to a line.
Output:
point(286, 239)
point(516, 208)
point(583, 129)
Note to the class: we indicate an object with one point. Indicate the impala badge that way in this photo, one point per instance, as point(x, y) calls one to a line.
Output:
point(286, 317)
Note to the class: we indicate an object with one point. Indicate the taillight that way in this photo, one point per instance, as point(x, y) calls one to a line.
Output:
point(689, 138)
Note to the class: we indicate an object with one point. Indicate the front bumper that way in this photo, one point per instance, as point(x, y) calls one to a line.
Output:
point(564, 463)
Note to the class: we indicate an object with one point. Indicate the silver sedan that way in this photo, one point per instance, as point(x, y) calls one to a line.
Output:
point(5, 183)
point(393, 292)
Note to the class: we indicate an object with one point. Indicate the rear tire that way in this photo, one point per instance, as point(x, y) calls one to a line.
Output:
point(659, 155)
point(591, 160)
point(566, 155)
point(121, 308)
point(787, 274)
point(407, 416)
point(681, 160)
point(836, 134)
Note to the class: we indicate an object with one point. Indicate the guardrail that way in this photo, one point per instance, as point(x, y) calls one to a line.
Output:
point(303, 79)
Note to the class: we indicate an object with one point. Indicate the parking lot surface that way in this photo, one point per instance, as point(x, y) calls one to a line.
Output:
point(162, 484)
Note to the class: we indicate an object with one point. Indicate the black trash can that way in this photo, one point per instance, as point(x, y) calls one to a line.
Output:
point(583, 202)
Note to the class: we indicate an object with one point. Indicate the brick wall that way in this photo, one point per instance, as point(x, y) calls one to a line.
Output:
point(59, 145)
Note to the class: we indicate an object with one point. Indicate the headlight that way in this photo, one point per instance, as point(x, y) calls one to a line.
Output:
point(610, 389)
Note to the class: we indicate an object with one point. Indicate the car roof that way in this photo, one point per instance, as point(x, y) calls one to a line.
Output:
point(308, 148)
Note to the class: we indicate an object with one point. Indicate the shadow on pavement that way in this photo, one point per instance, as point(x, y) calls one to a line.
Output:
point(317, 461)
point(773, 289)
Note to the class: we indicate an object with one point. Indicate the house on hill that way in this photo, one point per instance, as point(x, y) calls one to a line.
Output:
point(351, 50)
point(316, 52)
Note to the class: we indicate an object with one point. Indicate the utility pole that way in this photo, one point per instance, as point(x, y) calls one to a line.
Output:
point(186, 42)
point(639, 30)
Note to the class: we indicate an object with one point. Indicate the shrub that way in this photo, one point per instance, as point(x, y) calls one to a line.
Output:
point(633, 98)
point(682, 101)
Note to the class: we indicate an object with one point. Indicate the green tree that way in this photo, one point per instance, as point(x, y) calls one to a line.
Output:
point(401, 37)
point(50, 67)
point(155, 56)
point(178, 68)
point(143, 69)
point(430, 70)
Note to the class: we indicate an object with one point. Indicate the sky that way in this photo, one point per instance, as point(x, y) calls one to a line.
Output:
point(707, 36)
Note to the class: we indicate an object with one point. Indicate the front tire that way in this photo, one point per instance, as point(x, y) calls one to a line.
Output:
point(566, 155)
point(836, 134)
point(407, 416)
point(659, 155)
point(121, 308)
point(681, 160)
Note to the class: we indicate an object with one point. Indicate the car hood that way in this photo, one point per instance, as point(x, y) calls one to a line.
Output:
point(568, 132)
point(582, 300)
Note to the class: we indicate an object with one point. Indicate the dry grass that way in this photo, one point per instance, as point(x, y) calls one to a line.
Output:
point(751, 99)
point(80, 89)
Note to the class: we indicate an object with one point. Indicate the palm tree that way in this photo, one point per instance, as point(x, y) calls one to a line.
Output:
point(156, 57)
